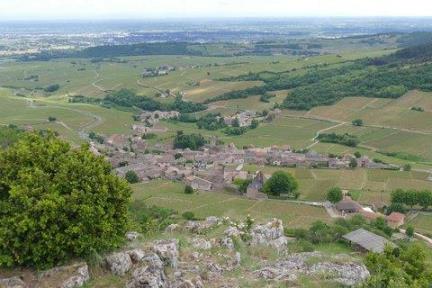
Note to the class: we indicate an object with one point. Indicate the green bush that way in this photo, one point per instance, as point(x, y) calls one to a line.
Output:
point(57, 203)
point(188, 189)
point(281, 182)
point(132, 177)
point(188, 215)
point(334, 195)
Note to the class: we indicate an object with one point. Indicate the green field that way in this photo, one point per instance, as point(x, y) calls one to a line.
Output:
point(370, 186)
point(170, 194)
point(422, 223)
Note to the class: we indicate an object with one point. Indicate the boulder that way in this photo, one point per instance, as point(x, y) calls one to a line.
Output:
point(192, 283)
point(215, 268)
point(136, 255)
point(171, 228)
point(201, 243)
point(132, 235)
point(13, 282)
point(227, 242)
point(263, 234)
point(346, 272)
point(145, 277)
point(78, 280)
point(153, 261)
point(212, 221)
point(232, 231)
point(119, 263)
point(167, 251)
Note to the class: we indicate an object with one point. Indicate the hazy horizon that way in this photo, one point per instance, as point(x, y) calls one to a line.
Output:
point(50, 10)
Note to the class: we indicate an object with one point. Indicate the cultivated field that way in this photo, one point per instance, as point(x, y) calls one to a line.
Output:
point(368, 186)
point(170, 194)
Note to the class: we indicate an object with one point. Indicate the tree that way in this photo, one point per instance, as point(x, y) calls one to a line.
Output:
point(334, 195)
point(254, 124)
point(407, 167)
point(424, 199)
point(188, 189)
point(353, 163)
point(236, 122)
point(410, 231)
point(192, 141)
point(281, 183)
point(357, 154)
point(52, 119)
point(131, 177)
point(57, 203)
point(357, 122)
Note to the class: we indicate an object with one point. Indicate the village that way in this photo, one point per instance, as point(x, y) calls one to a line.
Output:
point(215, 166)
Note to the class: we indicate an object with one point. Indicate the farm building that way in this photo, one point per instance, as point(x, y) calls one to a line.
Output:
point(395, 219)
point(367, 241)
point(198, 183)
point(348, 206)
point(253, 190)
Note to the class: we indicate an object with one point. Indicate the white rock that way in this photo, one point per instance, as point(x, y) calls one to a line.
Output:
point(167, 251)
point(144, 277)
point(171, 228)
point(232, 231)
point(200, 243)
point(119, 263)
point(13, 282)
point(132, 235)
point(228, 243)
point(212, 220)
point(79, 279)
point(136, 255)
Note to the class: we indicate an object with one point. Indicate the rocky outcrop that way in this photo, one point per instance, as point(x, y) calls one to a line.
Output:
point(171, 228)
point(136, 255)
point(227, 242)
point(148, 277)
point(192, 283)
point(167, 251)
point(201, 243)
point(271, 234)
point(79, 279)
point(132, 235)
point(344, 272)
point(119, 263)
point(232, 231)
point(13, 282)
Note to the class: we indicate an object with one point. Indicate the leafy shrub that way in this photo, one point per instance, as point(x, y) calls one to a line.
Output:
point(188, 215)
point(188, 189)
point(52, 88)
point(132, 177)
point(281, 182)
point(57, 203)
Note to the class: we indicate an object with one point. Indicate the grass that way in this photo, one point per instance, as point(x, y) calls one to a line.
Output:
point(422, 223)
point(170, 194)
point(367, 185)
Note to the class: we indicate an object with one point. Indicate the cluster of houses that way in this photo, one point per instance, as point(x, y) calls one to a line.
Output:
point(151, 118)
point(162, 70)
point(348, 207)
point(211, 168)
point(244, 119)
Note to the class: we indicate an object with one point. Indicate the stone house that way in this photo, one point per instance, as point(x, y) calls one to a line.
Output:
point(198, 183)
point(348, 206)
point(253, 191)
point(395, 219)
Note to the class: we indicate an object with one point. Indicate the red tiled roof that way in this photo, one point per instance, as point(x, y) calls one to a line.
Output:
point(396, 217)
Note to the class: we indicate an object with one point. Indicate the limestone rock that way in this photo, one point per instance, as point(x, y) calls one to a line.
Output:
point(167, 251)
point(153, 261)
point(344, 272)
point(78, 280)
point(232, 231)
point(145, 277)
point(171, 228)
point(201, 243)
point(119, 263)
point(136, 255)
point(228, 243)
point(13, 282)
point(132, 235)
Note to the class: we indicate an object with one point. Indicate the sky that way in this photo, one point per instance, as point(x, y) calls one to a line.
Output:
point(146, 9)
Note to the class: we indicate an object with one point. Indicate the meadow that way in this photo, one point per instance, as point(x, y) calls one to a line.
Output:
point(171, 195)
point(367, 186)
